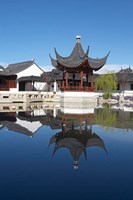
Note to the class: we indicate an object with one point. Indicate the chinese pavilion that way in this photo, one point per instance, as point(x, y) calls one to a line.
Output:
point(78, 69)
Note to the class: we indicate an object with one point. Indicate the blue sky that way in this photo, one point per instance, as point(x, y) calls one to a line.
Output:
point(32, 28)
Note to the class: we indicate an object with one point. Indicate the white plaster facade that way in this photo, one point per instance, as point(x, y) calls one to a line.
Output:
point(33, 70)
point(55, 87)
point(31, 126)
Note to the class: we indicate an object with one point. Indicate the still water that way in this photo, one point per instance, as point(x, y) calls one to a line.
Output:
point(48, 154)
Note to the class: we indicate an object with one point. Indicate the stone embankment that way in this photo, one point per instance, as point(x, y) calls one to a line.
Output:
point(101, 100)
point(28, 97)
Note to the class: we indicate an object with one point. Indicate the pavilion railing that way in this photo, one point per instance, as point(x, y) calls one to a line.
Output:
point(4, 89)
point(78, 88)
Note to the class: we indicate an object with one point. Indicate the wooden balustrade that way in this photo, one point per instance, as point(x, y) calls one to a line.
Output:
point(78, 88)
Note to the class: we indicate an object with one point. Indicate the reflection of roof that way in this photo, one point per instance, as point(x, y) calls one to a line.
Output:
point(77, 58)
point(75, 142)
point(8, 120)
point(18, 128)
point(44, 120)
point(75, 147)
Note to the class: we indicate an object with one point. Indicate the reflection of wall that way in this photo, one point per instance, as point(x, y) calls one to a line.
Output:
point(31, 126)
point(78, 108)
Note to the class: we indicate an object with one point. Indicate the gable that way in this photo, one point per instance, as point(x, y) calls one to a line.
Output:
point(17, 68)
point(33, 70)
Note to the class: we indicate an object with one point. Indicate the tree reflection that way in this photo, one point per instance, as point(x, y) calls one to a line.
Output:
point(106, 117)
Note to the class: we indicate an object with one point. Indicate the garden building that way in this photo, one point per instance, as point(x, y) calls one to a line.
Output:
point(77, 69)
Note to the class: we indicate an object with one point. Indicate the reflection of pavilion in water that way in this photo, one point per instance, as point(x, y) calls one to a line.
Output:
point(75, 136)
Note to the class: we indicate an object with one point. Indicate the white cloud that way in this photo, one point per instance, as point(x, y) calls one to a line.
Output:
point(3, 64)
point(46, 68)
point(113, 67)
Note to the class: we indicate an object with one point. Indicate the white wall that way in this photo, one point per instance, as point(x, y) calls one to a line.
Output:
point(34, 70)
point(40, 86)
point(52, 87)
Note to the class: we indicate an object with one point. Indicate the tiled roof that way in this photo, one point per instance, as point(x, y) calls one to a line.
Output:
point(77, 58)
point(127, 70)
point(4, 72)
point(18, 67)
point(125, 75)
point(31, 78)
point(57, 74)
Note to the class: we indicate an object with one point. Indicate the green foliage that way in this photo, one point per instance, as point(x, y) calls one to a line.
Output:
point(106, 95)
point(107, 83)
point(105, 117)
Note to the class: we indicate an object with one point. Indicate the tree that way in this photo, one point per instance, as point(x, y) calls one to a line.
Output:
point(107, 83)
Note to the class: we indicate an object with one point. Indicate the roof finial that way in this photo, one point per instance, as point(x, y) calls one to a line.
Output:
point(75, 165)
point(78, 37)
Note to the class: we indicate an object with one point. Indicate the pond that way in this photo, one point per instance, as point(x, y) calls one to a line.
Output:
point(48, 154)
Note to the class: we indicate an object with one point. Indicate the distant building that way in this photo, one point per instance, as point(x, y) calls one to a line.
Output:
point(125, 79)
point(28, 75)
point(7, 79)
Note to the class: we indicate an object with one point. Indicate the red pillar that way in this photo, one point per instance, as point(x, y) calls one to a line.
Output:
point(66, 79)
point(81, 79)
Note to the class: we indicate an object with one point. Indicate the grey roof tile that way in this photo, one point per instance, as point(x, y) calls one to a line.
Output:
point(4, 72)
point(77, 58)
point(18, 67)
point(31, 78)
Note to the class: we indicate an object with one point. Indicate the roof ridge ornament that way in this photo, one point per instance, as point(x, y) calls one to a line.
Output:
point(78, 37)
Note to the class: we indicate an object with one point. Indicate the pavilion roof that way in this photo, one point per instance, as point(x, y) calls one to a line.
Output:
point(78, 58)
point(76, 143)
